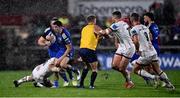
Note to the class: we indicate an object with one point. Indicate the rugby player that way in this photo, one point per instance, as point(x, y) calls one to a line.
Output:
point(56, 48)
point(40, 74)
point(148, 55)
point(125, 49)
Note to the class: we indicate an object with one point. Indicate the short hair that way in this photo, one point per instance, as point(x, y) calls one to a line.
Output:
point(58, 23)
point(150, 15)
point(135, 17)
point(117, 14)
point(91, 18)
point(54, 19)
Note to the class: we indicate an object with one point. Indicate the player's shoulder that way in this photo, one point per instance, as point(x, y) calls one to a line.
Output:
point(115, 26)
point(65, 31)
point(153, 26)
point(47, 30)
point(134, 30)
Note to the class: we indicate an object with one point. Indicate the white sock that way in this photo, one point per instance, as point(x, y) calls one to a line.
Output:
point(25, 79)
point(145, 74)
point(164, 77)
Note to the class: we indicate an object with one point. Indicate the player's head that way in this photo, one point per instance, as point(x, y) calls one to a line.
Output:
point(52, 21)
point(57, 26)
point(91, 19)
point(116, 16)
point(135, 18)
point(148, 17)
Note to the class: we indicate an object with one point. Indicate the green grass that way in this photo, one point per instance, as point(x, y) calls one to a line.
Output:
point(111, 87)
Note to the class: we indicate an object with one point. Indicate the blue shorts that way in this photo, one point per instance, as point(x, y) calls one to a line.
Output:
point(59, 53)
point(88, 55)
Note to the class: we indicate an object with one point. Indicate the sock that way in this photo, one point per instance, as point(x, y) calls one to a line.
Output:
point(25, 79)
point(145, 74)
point(163, 77)
point(69, 71)
point(93, 78)
point(56, 84)
point(83, 76)
point(127, 76)
point(63, 75)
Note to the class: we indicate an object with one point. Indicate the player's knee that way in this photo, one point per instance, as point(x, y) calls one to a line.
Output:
point(114, 64)
point(122, 68)
point(135, 70)
point(94, 67)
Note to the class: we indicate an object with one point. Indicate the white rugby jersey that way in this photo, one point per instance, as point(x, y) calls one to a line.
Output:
point(41, 71)
point(120, 29)
point(145, 46)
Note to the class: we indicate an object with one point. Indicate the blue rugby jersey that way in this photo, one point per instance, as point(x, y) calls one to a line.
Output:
point(155, 33)
point(59, 46)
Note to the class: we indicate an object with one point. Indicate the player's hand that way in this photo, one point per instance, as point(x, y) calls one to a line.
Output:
point(49, 38)
point(58, 62)
point(47, 43)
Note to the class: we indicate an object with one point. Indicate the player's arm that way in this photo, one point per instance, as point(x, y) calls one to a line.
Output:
point(68, 49)
point(43, 42)
point(68, 45)
point(116, 42)
point(135, 39)
point(101, 33)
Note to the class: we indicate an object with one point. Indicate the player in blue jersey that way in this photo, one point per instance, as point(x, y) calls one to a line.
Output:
point(57, 47)
point(154, 30)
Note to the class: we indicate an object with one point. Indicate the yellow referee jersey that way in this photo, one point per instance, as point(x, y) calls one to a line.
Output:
point(88, 38)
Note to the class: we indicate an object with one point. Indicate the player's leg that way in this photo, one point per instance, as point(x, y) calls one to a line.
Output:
point(138, 69)
point(71, 69)
point(116, 61)
point(84, 56)
point(122, 68)
point(22, 80)
point(62, 72)
point(94, 73)
point(163, 76)
point(83, 76)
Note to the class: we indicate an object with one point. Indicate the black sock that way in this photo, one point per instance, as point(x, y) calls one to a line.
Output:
point(83, 76)
point(93, 78)
point(63, 75)
point(69, 71)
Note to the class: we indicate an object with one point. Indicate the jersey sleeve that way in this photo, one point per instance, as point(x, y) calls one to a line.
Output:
point(114, 27)
point(46, 32)
point(66, 37)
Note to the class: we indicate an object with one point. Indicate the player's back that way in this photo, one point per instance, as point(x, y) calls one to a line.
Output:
point(42, 70)
point(145, 45)
point(88, 38)
point(120, 30)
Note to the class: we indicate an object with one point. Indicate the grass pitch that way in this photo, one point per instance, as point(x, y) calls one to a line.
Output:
point(111, 86)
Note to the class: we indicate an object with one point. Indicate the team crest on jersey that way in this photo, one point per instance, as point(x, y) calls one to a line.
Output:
point(114, 27)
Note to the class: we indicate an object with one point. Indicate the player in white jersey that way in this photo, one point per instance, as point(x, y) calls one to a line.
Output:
point(125, 49)
point(40, 74)
point(148, 55)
